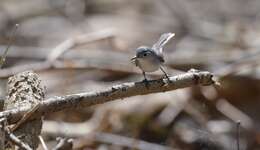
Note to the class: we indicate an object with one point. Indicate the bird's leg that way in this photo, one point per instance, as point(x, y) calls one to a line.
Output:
point(145, 80)
point(166, 75)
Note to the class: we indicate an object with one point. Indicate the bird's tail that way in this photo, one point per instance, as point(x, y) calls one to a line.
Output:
point(165, 38)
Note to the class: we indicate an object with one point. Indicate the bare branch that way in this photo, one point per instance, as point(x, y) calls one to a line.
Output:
point(122, 91)
point(238, 134)
point(126, 141)
point(85, 63)
point(82, 39)
point(103, 137)
point(64, 144)
point(2, 59)
point(25, 117)
point(43, 143)
point(17, 141)
point(234, 114)
point(21, 68)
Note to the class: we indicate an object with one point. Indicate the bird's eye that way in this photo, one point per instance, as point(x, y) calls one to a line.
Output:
point(145, 54)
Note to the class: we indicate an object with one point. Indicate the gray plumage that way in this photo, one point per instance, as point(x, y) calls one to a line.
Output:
point(151, 59)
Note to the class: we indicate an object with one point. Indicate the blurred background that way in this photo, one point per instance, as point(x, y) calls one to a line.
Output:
point(86, 45)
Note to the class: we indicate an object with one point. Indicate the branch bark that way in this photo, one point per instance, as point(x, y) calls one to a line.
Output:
point(121, 91)
point(18, 142)
point(25, 90)
point(64, 144)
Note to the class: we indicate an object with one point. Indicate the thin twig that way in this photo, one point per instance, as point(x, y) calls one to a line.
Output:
point(247, 58)
point(43, 143)
point(234, 114)
point(86, 63)
point(67, 129)
point(64, 144)
point(58, 51)
point(72, 42)
point(6, 72)
point(104, 137)
point(17, 141)
point(238, 134)
point(25, 117)
point(121, 91)
point(11, 38)
point(2, 133)
point(126, 141)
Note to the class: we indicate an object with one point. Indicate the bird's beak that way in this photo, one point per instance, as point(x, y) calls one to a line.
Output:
point(133, 60)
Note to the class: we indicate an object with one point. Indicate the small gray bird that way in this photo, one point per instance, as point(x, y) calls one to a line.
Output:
point(151, 59)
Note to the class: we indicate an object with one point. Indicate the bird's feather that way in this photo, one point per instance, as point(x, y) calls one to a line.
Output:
point(158, 46)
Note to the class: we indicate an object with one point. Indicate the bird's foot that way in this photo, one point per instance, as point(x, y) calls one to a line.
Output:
point(168, 78)
point(165, 75)
point(146, 82)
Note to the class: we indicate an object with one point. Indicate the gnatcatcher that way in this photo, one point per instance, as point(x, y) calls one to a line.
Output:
point(151, 59)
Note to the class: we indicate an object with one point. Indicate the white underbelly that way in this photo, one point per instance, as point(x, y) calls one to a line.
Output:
point(148, 66)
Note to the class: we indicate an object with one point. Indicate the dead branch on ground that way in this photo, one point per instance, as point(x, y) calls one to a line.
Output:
point(124, 141)
point(64, 144)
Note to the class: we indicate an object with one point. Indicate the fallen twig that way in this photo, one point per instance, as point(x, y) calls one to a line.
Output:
point(25, 117)
point(238, 134)
point(250, 57)
point(234, 114)
point(125, 141)
point(64, 144)
point(100, 137)
point(2, 59)
point(43, 143)
point(17, 141)
point(124, 90)
point(72, 42)
point(21, 68)
point(87, 63)
point(57, 52)
point(67, 129)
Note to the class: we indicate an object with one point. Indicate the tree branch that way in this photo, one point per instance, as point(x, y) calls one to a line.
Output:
point(121, 91)
point(123, 141)
point(17, 141)
point(64, 144)
point(25, 90)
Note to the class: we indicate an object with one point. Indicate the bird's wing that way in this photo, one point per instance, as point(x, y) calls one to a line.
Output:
point(165, 38)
